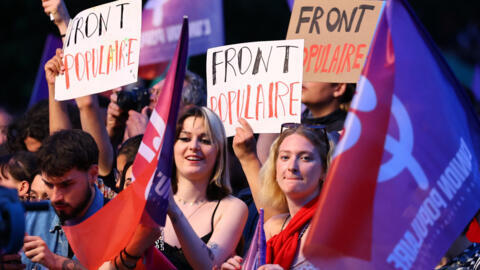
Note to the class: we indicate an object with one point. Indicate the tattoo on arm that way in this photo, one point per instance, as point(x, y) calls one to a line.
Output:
point(71, 265)
point(209, 248)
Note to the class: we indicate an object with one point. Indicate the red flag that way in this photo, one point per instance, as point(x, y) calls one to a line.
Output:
point(102, 236)
point(343, 222)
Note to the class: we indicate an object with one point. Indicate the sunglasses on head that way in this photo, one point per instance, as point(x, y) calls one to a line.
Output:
point(319, 129)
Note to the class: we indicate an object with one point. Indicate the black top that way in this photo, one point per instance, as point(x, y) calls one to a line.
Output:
point(175, 255)
point(334, 121)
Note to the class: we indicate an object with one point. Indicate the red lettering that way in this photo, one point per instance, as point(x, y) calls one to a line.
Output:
point(213, 103)
point(87, 62)
point(130, 50)
point(279, 96)
point(270, 101)
point(248, 102)
point(220, 106)
point(94, 72)
point(77, 66)
point(305, 55)
point(350, 51)
point(359, 55)
point(342, 57)
point(101, 60)
point(230, 102)
point(334, 61)
point(319, 63)
point(116, 55)
point(257, 105)
point(313, 53)
point(326, 53)
point(67, 69)
point(110, 59)
point(291, 97)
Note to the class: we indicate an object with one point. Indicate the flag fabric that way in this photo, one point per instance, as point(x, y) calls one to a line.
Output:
point(40, 87)
point(160, 30)
point(257, 252)
point(476, 82)
point(405, 181)
point(102, 236)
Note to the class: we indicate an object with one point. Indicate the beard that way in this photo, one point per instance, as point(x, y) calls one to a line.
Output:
point(74, 210)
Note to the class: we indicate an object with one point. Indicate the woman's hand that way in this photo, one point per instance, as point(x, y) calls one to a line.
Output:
point(244, 144)
point(54, 67)
point(233, 263)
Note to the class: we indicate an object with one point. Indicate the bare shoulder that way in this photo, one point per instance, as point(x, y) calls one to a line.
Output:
point(231, 203)
point(274, 224)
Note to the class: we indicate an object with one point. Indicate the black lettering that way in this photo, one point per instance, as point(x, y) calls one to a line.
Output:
point(227, 62)
point(121, 13)
point(348, 25)
point(240, 54)
point(331, 26)
point(363, 8)
point(214, 66)
point(87, 20)
point(302, 19)
point(287, 53)
point(105, 23)
point(259, 58)
point(77, 29)
point(315, 20)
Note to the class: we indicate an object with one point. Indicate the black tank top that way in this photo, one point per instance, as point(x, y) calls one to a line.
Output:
point(175, 255)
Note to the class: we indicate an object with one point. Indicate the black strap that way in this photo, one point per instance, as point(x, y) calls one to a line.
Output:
point(213, 215)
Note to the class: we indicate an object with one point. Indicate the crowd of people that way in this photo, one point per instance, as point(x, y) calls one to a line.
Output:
point(79, 155)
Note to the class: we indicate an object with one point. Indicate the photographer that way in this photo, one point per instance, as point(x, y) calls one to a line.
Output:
point(129, 110)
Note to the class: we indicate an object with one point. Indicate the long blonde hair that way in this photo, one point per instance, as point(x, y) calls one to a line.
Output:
point(219, 183)
point(272, 195)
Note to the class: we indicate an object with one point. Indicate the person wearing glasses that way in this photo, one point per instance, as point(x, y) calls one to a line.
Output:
point(287, 188)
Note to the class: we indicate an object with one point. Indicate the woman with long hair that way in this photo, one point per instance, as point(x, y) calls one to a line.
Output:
point(205, 222)
point(288, 189)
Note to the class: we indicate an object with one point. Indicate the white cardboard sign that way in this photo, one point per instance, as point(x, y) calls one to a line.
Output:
point(258, 81)
point(101, 49)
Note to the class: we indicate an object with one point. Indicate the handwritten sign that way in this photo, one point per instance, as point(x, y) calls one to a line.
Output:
point(101, 49)
point(161, 25)
point(337, 37)
point(258, 81)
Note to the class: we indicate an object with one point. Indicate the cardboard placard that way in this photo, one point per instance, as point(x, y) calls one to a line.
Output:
point(337, 37)
point(258, 81)
point(101, 49)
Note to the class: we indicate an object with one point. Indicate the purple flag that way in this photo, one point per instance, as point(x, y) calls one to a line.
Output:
point(160, 28)
point(40, 88)
point(257, 252)
point(428, 181)
point(476, 82)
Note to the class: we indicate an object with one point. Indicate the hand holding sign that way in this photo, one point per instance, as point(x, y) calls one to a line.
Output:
point(101, 49)
point(258, 81)
point(54, 67)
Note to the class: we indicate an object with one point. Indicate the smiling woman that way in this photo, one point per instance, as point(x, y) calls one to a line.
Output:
point(204, 222)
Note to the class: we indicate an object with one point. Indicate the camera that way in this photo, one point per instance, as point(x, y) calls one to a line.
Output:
point(134, 99)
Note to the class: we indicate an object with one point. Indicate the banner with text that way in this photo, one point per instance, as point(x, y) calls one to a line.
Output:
point(101, 49)
point(161, 28)
point(258, 81)
point(337, 37)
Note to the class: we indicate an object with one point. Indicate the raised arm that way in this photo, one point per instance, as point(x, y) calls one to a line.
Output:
point(232, 214)
point(58, 11)
point(244, 146)
point(90, 117)
point(58, 114)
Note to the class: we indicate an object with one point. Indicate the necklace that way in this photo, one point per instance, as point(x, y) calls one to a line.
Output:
point(194, 202)
point(160, 242)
